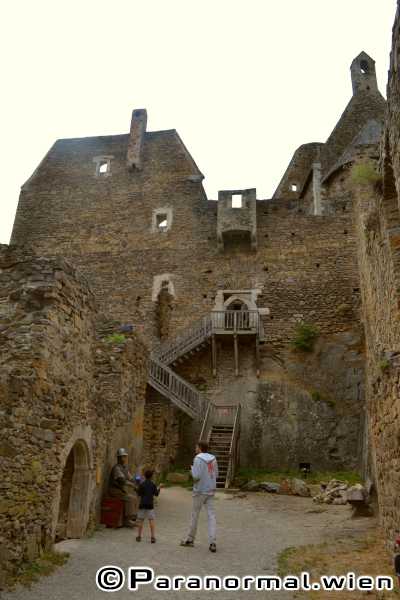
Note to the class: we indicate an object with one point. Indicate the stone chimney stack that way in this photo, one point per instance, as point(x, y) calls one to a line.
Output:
point(363, 74)
point(136, 139)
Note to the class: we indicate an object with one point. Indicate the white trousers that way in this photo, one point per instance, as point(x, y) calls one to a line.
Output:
point(198, 502)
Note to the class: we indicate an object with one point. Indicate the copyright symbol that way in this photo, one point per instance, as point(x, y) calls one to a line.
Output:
point(110, 578)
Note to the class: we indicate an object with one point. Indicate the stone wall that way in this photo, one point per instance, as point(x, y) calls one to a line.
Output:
point(163, 434)
point(305, 267)
point(282, 423)
point(377, 226)
point(64, 388)
point(297, 171)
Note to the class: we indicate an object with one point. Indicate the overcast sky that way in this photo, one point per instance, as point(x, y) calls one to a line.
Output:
point(244, 83)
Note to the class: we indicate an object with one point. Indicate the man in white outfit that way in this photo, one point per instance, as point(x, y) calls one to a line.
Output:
point(205, 473)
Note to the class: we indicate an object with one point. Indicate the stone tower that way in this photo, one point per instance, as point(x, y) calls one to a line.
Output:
point(363, 74)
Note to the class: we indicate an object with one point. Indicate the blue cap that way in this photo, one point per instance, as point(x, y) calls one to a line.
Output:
point(138, 479)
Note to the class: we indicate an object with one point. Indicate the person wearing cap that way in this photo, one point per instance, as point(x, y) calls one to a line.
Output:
point(119, 479)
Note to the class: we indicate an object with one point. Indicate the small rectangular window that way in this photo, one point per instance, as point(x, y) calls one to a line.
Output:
point(236, 200)
point(103, 167)
point(294, 187)
point(162, 221)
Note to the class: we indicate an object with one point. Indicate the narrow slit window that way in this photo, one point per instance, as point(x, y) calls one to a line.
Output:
point(294, 187)
point(103, 167)
point(237, 201)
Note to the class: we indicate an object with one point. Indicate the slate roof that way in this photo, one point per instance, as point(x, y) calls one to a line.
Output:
point(370, 133)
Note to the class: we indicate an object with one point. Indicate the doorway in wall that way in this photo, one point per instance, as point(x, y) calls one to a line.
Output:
point(75, 493)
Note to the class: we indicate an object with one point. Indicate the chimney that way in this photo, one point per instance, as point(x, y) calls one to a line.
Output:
point(136, 139)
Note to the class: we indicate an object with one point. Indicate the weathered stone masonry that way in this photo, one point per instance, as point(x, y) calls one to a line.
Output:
point(160, 278)
point(131, 214)
point(67, 397)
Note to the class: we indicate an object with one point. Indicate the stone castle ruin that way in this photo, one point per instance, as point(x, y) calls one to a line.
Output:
point(117, 232)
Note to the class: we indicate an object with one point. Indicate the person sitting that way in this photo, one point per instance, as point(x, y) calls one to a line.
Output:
point(119, 478)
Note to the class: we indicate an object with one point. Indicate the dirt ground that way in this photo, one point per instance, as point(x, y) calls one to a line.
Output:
point(258, 535)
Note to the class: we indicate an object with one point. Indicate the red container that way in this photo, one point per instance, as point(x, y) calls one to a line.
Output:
point(112, 512)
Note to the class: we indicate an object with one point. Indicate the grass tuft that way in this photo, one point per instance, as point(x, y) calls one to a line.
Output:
point(362, 172)
point(30, 572)
point(382, 366)
point(277, 476)
point(174, 469)
point(304, 335)
point(117, 337)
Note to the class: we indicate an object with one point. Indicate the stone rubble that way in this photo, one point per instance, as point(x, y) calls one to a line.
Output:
point(336, 492)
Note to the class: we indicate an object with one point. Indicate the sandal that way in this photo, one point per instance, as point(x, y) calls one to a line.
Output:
point(153, 540)
point(138, 539)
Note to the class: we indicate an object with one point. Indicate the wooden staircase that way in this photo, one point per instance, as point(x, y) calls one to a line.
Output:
point(221, 425)
point(220, 445)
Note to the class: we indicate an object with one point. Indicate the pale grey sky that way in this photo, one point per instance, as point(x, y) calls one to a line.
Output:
point(244, 83)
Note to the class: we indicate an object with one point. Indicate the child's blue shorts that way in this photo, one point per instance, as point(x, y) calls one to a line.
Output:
point(143, 512)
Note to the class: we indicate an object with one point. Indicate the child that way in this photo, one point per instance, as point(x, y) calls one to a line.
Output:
point(147, 490)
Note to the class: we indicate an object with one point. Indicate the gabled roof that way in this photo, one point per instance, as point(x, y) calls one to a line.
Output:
point(370, 133)
point(362, 107)
point(362, 56)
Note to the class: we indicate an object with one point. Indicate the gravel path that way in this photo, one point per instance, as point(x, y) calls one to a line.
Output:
point(251, 532)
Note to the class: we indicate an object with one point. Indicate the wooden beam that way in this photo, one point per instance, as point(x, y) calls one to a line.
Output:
point(236, 354)
point(257, 356)
point(214, 353)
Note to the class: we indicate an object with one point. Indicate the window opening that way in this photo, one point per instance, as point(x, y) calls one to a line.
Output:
point(103, 167)
point(317, 264)
point(345, 231)
point(364, 66)
point(294, 187)
point(236, 200)
point(162, 221)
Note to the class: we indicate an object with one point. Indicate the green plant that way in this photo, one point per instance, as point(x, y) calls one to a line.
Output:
point(304, 335)
point(201, 389)
point(176, 469)
point(367, 236)
point(363, 172)
point(329, 402)
point(315, 395)
point(181, 414)
point(265, 474)
point(31, 571)
point(93, 531)
point(344, 308)
point(382, 365)
point(117, 337)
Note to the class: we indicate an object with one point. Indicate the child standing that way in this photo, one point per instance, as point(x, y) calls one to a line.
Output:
point(147, 490)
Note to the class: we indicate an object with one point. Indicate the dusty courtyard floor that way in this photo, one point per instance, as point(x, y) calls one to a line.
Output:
point(251, 533)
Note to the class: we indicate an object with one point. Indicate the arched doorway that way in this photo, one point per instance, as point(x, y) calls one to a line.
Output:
point(75, 493)
point(236, 304)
